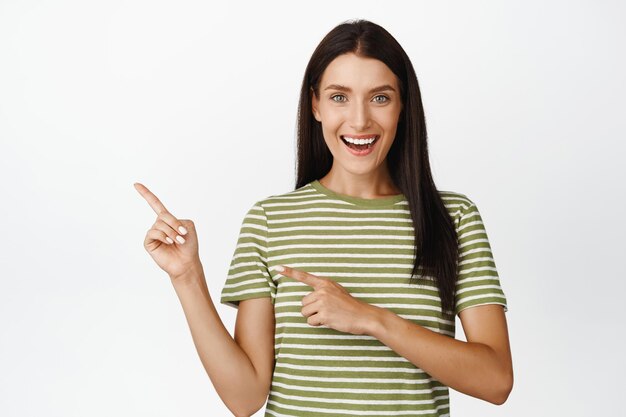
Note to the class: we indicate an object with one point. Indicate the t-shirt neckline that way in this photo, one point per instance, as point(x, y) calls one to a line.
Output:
point(369, 202)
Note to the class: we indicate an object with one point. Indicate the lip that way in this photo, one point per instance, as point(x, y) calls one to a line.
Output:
point(361, 136)
point(364, 152)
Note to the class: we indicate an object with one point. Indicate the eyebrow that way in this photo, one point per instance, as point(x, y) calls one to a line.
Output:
point(348, 90)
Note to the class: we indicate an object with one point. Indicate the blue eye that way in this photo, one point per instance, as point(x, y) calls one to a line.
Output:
point(386, 99)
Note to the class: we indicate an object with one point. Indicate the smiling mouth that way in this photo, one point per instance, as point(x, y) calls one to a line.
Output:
point(359, 147)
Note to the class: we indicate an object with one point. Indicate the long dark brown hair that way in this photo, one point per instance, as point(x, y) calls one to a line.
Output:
point(436, 243)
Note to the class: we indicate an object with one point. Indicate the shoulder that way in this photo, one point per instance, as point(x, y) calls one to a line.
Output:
point(284, 199)
point(456, 202)
point(459, 205)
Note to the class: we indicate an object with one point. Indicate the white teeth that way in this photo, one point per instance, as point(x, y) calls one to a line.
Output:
point(360, 141)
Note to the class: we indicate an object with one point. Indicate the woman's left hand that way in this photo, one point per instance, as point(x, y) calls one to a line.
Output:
point(331, 305)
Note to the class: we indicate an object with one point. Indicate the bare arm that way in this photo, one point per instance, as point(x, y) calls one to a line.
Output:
point(481, 367)
point(239, 368)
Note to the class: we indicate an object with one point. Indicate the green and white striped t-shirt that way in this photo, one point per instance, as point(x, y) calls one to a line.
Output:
point(366, 245)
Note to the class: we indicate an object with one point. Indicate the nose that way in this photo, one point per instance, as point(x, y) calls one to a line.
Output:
point(359, 116)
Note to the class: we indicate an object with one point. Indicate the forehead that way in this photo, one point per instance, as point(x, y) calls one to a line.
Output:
point(357, 73)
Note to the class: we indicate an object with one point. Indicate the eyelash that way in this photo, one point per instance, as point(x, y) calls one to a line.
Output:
point(341, 95)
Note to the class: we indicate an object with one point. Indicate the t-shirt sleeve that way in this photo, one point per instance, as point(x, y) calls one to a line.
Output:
point(478, 282)
point(248, 275)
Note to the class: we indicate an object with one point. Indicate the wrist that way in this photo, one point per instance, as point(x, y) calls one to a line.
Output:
point(376, 321)
point(194, 273)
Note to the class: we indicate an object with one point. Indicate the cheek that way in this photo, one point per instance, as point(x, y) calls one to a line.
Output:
point(390, 118)
point(331, 129)
point(331, 121)
point(330, 115)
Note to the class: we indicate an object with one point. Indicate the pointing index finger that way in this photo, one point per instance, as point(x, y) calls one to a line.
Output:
point(152, 199)
point(302, 276)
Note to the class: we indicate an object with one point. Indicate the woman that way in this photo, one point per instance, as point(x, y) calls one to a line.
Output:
point(347, 286)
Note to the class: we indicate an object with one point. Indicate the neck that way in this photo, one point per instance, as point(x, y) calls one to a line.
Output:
point(370, 185)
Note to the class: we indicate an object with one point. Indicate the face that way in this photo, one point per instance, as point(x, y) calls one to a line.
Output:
point(359, 98)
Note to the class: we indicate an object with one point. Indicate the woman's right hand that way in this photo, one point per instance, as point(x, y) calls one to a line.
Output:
point(163, 239)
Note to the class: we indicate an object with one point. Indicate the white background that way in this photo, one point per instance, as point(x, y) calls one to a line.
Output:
point(525, 110)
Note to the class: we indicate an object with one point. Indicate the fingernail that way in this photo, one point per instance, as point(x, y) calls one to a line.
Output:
point(180, 239)
point(182, 230)
point(279, 268)
point(169, 239)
